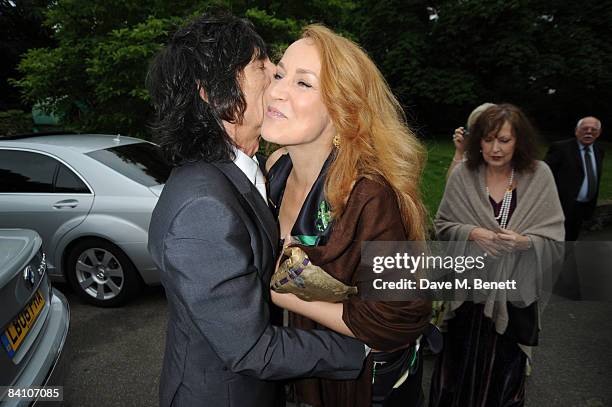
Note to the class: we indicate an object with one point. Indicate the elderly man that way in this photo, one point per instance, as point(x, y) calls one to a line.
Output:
point(576, 165)
point(212, 235)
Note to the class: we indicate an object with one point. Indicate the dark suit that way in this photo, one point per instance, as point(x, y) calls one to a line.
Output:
point(565, 161)
point(215, 242)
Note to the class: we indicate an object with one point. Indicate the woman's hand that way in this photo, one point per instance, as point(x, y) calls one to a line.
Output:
point(513, 241)
point(458, 140)
point(488, 240)
point(286, 242)
point(286, 301)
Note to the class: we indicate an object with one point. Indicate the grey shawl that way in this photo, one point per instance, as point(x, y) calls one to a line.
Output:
point(538, 215)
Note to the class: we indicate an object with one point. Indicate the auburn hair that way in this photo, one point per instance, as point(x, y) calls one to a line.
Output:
point(376, 142)
point(489, 123)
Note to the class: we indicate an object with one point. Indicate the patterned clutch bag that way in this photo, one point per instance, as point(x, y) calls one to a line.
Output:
point(297, 275)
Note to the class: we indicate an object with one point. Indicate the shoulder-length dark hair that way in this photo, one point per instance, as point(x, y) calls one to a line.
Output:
point(490, 122)
point(209, 55)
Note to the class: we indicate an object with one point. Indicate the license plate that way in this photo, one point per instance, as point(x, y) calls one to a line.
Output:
point(18, 329)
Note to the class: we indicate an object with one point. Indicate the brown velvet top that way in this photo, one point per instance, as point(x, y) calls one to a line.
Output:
point(372, 214)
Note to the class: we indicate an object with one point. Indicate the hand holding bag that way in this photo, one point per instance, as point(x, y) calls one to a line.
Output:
point(297, 275)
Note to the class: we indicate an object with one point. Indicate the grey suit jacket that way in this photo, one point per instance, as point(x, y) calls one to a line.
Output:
point(215, 242)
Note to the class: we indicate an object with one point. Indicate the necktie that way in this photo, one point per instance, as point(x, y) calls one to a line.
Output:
point(590, 174)
point(260, 184)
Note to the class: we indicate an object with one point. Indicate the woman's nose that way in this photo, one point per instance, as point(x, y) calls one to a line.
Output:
point(277, 89)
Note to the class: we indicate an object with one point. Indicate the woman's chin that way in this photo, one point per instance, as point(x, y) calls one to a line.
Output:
point(271, 138)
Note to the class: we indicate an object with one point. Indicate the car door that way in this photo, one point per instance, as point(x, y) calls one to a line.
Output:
point(40, 192)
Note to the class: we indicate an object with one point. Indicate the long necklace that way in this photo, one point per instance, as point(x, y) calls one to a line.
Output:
point(505, 207)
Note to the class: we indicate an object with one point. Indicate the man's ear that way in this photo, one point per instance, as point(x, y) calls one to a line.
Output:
point(203, 93)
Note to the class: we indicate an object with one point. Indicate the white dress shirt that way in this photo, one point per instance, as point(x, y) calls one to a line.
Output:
point(250, 167)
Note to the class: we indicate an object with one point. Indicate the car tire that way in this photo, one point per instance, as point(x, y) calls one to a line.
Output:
point(101, 274)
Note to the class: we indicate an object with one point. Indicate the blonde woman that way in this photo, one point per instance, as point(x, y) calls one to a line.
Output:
point(461, 133)
point(349, 172)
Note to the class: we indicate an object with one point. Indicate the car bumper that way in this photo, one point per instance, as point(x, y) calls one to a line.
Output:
point(47, 365)
point(56, 374)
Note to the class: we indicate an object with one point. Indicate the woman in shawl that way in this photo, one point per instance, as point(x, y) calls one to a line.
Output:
point(505, 201)
point(349, 173)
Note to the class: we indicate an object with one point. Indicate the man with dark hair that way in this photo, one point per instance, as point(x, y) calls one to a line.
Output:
point(576, 165)
point(212, 235)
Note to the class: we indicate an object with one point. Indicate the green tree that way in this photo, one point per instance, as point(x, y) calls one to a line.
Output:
point(95, 75)
point(395, 34)
point(21, 28)
point(573, 77)
point(444, 57)
point(440, 57)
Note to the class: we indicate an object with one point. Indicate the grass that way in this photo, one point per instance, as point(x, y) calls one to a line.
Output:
point(605, 186)
point(440, 154)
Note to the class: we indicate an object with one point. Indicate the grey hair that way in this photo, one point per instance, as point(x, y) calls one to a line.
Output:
point(476, 112)
point(581, 120)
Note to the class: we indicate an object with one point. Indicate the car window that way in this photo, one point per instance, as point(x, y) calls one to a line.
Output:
point(141, 162)
point(23, 171)
point(68, 182)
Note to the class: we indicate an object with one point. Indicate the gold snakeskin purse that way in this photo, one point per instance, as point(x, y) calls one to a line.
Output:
point(297, 275)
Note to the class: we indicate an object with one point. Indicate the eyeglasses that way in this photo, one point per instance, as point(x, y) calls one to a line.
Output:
point(589, 128)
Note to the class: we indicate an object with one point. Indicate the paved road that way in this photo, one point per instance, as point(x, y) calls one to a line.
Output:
point(574, 359)
point(117, 353)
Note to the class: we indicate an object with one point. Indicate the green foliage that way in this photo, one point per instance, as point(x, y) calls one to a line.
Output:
point(278, 31)
point(15, 122)
point(116, 71)
point(605, 185)
point(20, 29)
point(95, 77)
point(441, 58)
point(439, 156)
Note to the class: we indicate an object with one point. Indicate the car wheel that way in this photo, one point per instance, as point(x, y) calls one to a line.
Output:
point(101, 273)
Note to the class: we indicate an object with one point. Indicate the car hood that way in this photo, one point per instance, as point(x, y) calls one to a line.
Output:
point(17, 246)
point(157, 189)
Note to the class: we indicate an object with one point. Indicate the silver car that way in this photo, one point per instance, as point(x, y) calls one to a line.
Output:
point(90, 197)
point(34, 319)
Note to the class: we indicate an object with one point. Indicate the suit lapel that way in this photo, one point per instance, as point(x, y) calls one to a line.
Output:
point(254, 199)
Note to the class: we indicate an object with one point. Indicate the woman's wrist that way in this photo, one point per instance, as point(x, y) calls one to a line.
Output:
point(527, 243)
point(458, 157)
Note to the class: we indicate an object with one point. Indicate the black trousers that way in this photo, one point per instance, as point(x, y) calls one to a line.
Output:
point(568, 283)
point(409, 394)
point(575, 218)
